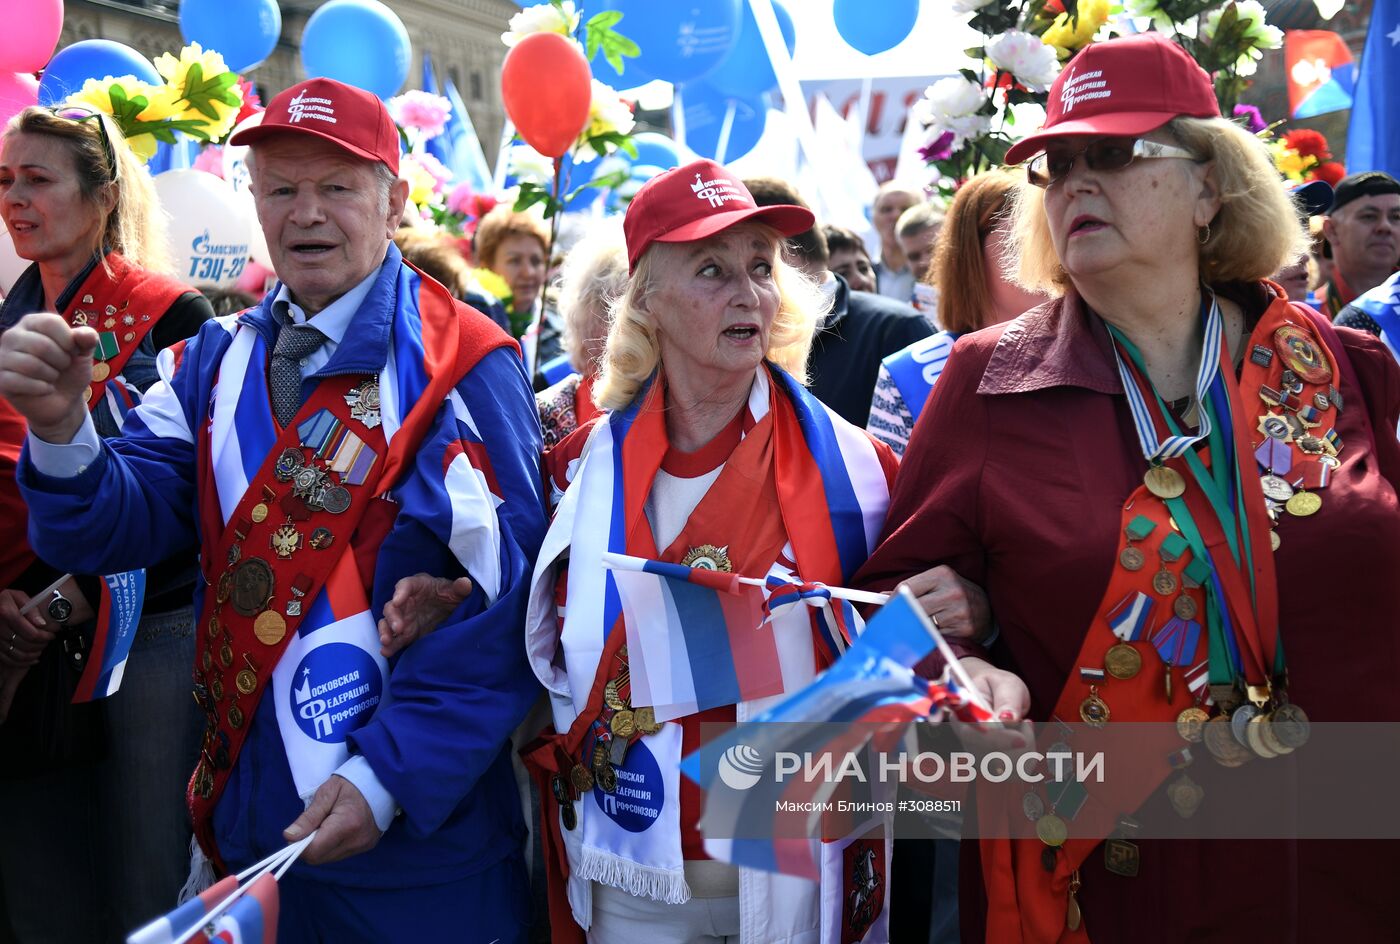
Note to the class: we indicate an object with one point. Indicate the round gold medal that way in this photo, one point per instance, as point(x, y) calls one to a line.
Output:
point(1274, 540)
point(1164, 482)
point(1221, 743)
point(1254, 735)
point(270, 627)
point(1051, 830)
point(87, 394)
point(581, 778)
point(246, 680)
point(1122, 662)
point(606, 777)
point(622, 723)
point(101, 371)
point(1164, 582)
point(1191, 724)
point(645, 720)
point(259, 513)
point(1303, 504)
point(1131, 558)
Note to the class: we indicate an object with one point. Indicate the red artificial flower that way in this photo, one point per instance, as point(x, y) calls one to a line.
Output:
point(1054, 7)
point(1308, 143)
point(252, 104)
point(1330, 171)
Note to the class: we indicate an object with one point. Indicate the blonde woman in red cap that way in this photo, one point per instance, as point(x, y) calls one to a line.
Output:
point(711, 455)
point(1165, 519)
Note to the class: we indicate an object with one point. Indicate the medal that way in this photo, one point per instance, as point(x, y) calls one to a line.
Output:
point(1274, 540)
point(1222, 744)
point(1122, 662)
point(1190, 724)
point(1303, 358)
point(258, 513)
point(606, 777)
point(1164, 582)
point(581, 778)
point(1094, 711)
point(1051, 830)
point(611, 697)
point(1254, 736)
point(286, 541)
point(622, 723)
point(287, 465)
point(1131, 558)
point(1073, 916)
point(252, 585)
point(270, 627)
point(708, 557)
point(364, 402)
point(1276, 427)
point(1185, 795)
point(1122, 857)
point(1303, 504)
point(1275, 488)
point(246, 680)
point(1164, 482)
point(100, 372)
point(1291, 726)
point(645, 720)
point(1032, 806)
point(1185, 607)
point(235, 716)
point(321, 539)
point(1239, 720)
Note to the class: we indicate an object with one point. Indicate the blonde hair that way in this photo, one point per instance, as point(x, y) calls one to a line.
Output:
point(136, 225)
point(594, 277)
point(1256, 232)
point(633, 354)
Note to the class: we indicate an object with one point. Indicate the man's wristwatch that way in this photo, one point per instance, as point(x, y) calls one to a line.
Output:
point(60, 608)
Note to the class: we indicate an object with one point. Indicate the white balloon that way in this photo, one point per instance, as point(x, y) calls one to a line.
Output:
point(11, 265)
point(235, 158)
point(210, 228)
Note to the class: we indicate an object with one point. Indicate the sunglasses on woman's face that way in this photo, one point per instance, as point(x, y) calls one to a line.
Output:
point(1103, 154)
point(79, 113)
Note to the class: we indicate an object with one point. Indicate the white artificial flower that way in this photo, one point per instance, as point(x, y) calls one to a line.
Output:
point(953, 97)
point(527, 164)
point(968, 6)
point(607, 112)
point(951, 105)
point(541, 18)
point(1033, 63)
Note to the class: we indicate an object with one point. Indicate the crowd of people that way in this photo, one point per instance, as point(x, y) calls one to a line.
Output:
point(373, 525)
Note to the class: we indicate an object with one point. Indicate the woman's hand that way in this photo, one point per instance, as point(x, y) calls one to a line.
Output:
point(1009, 699)
point(958, 606)
point(419, 604)
point(22, 636)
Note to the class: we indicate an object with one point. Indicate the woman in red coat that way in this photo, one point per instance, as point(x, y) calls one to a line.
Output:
point(1161, 477)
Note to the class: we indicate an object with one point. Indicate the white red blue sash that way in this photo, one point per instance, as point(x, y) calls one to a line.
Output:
point(916, 368)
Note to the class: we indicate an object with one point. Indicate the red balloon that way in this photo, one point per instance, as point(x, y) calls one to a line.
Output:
point(547, 88)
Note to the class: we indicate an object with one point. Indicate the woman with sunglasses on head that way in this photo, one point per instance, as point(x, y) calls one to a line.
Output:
point(96, 840)
point(1161, 478)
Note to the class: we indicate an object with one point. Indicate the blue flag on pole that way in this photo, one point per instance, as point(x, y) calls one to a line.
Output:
point(1373, 141)
point(438, 147)
point(465, 157)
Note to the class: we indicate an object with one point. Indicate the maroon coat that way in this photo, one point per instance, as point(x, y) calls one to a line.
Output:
point(1015, 477)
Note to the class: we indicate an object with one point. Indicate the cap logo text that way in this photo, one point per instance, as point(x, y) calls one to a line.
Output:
point(1083, 87)
point(716, 191)
point(306, 106)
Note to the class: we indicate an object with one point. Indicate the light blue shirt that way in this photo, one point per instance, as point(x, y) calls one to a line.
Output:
point(66, 461)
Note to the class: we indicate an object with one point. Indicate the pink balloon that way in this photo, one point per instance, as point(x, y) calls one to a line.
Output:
point(17, 92)
point(30, 34)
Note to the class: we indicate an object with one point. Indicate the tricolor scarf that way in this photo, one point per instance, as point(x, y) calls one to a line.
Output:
point(430, 351)
point(833, 494)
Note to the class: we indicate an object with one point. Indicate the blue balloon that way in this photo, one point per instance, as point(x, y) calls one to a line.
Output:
point(91, 59)
point(747, 71)
point(680, 41)
point(875, 27)
point(654, 150)
point(359, 42)
point(705, 110)
point(631, 75)
point(243, 31)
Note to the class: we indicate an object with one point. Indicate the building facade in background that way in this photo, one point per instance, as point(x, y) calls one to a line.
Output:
point(463, 37)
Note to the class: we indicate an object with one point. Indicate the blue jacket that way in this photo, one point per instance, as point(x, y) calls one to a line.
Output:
point(441, 746)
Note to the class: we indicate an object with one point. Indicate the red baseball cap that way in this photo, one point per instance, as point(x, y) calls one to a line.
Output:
point(1125, 86)
point(696, 201)
point(352, 118)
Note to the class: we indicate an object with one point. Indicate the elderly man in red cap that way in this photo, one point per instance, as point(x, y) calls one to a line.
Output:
point(358, 427)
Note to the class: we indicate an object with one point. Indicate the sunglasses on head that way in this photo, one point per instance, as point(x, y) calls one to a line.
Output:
point(81, 113)
point(1102, 154)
